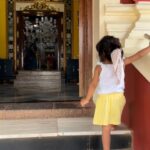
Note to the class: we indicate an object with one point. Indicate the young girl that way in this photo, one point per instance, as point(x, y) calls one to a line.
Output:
point(108, 83)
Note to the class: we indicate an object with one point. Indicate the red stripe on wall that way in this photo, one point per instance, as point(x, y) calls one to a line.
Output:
point(142, 0)
point(138, 104)
point(127, 1)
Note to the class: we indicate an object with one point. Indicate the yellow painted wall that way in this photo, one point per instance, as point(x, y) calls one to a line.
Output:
point(75, 29)
point(3, 28)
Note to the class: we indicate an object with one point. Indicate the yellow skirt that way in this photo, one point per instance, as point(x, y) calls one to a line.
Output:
point(108, 109)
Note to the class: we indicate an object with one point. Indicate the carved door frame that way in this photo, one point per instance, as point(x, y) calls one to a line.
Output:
point(85, 45)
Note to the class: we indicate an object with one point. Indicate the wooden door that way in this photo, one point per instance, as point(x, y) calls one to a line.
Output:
point(38, 40)
point(85, 45)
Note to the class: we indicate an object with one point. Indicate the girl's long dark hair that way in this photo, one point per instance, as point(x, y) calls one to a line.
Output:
point(105, 47)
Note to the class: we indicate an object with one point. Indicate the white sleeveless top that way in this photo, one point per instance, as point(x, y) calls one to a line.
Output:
point(108, 82)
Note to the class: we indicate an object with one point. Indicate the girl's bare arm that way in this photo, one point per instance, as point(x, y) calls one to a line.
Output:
point(137, 55)
point(92, 86)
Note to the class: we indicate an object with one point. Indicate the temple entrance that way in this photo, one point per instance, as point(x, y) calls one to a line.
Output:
point(40, 48)
point(39, 40)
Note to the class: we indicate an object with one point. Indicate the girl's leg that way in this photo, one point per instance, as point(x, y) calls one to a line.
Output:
point(106, 139)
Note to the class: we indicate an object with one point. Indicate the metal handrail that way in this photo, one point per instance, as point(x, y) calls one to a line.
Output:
point(147, 36)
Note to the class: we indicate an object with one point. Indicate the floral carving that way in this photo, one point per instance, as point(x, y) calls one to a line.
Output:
point(40, 5)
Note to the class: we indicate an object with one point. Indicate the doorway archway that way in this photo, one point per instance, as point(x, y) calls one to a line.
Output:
point(85, 44)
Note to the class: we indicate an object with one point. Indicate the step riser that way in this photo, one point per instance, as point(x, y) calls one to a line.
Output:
point(22, 78)
point(66, 143)
point(51, 85)
point(39, 73)
point(44, 113)
point(37, 82)
point(42, 79)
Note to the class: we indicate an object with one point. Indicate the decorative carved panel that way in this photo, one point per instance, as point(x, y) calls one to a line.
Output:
point(40, 5)
point(41, 0)
point(10, 29)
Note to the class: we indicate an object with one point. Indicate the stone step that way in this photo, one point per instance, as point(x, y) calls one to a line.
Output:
point(39, 83)
point(36, 81)
point(44, 110)
point(62, 143)
point(40, 73)
point(43, 79)
point(70, 133)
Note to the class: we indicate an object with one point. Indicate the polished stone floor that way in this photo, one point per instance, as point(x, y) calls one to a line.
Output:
point(10, 94)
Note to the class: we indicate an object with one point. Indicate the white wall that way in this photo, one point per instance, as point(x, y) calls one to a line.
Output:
point(96, 27)
point(128, 22)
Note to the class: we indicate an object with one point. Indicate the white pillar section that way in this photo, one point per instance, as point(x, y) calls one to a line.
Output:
point(128, 22)
point(119, 19)
point(113, 18)
point(98, 24)
point(136, 40)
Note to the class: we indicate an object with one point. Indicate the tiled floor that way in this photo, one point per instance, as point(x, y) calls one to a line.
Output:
point(10, 94)
point(52, 127)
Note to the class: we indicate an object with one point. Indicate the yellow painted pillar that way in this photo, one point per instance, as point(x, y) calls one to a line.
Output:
point(3, 29)
point(75, 29)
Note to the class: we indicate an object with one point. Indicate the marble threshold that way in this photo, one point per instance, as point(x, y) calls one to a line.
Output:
point(53, 127)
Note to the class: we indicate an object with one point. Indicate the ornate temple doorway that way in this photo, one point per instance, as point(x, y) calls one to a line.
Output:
point(39, 39)
point(31, 37)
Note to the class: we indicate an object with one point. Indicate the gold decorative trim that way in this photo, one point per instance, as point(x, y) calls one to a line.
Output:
point(40, 5)
point(34, 0)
